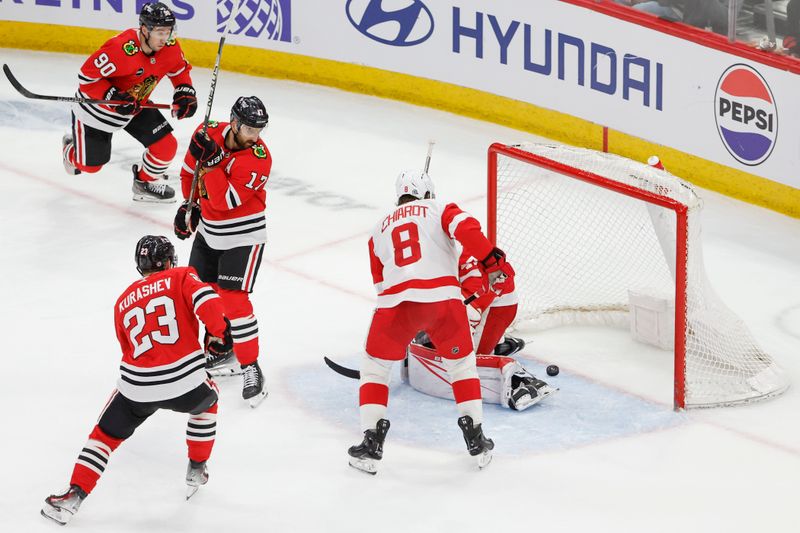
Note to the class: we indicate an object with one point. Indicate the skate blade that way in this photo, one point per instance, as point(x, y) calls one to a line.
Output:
point(149, 199)
point(59, 516)
point(191, 490)
point(366, 465)
point(256, 400)
point(225, 371)
point(484, 459)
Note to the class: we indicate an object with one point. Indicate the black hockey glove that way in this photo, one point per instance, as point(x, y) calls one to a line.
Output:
point(205, 150)
point(126, 109)
point(218, 346)
point(182, 231)
point(184, 101)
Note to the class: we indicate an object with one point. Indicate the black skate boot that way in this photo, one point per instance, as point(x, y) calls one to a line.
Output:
point(196, 476)
point(62, 507)
point(253, 384)
point(151, 191)
point(67, 144)
point(527, 390)
point(477, 443)
point(509, 346)
point(365, 455)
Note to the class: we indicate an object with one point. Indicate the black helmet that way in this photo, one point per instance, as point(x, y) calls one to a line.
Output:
point(250, 111)
point(152, 254)
point(156, 14)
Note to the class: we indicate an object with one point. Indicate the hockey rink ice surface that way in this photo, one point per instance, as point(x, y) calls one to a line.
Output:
point(606, 453)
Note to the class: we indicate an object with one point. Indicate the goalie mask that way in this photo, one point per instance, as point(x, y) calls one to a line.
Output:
point(414, 183)
point(152, 254)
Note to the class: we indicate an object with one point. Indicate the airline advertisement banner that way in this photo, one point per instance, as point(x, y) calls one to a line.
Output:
point(552, 54)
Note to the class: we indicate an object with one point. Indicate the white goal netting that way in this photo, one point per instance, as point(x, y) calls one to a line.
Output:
point(579, 243)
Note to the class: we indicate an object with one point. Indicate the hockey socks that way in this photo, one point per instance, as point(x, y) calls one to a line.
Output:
point(93, 459)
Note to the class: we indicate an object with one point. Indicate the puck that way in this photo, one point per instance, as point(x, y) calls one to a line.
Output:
point(552, 370)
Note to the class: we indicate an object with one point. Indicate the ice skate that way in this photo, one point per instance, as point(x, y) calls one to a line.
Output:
point(67, 145)
point(196, 476)
point(365, 456)
point(478, 445)
point(222, 365)
point(509, 346)
point(151, 191)
point(62, 507)
point(527, 391)
point(253, 384)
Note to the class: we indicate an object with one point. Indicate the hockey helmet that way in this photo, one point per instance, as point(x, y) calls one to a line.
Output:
point(153, 252)
point(250, 111)
point(156, 14)
point(414, 183)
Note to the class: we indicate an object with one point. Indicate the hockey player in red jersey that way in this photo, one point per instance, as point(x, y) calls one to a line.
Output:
point(414, 266)
point(231, 225)
point(128, 67)
point(163, 367)
point(504, 380)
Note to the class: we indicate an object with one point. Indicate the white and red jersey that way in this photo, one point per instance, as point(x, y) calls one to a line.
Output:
point(121, 63)
point(232, 194)
point(413, 253)
point(156, 324)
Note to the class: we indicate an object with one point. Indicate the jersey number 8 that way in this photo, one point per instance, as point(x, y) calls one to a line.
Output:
point(406, 247)
point(167, 319)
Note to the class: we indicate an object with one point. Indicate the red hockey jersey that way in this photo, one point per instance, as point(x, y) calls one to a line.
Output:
point(233, 194)
point(156, 324)
point(413, 254)
point(121, 63)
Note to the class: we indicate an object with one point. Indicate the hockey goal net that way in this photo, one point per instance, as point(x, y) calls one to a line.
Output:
point(584, 229)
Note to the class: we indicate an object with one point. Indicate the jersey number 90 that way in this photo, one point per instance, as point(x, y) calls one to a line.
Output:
point(136, 315)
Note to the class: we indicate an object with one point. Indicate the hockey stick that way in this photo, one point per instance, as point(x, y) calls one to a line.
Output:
point(343, 370)
point(428, 158)
point(214, 75)
point(72, 99)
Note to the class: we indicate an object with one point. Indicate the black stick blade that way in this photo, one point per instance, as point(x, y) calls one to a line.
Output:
point(344, 371)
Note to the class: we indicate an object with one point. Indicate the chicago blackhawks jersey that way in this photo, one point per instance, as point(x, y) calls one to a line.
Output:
point(232, 194)
point(156, 324)
point(121, 63)
point(413, 252)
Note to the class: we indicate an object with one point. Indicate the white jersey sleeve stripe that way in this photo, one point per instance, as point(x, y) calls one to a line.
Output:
point(458, 219)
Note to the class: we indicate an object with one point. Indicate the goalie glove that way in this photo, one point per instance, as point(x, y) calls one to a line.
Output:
point(220, 346)
point(182, 231)
point(499, 271)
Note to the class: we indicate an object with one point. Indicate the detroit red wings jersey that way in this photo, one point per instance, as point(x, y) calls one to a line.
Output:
point(413, 252)
point(121, 63)
point(232, 215)
point(156, 324)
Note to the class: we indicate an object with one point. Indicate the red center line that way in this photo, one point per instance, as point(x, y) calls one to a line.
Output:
point(135, 213)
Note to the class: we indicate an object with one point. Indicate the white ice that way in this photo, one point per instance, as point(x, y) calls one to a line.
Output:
point(606, 453)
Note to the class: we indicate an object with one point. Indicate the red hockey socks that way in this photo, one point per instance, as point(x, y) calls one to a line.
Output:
point(157, 157)
point(93, 459)
point(244, 326)
point(466, 386)
point(201, 430)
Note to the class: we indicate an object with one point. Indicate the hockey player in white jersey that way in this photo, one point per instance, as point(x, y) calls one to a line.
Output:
point(414, 264)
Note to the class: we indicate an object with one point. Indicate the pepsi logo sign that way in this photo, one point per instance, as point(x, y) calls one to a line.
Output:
point(746, 115)
point(392, 22)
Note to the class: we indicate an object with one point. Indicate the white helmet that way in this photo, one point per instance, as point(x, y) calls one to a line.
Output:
point(414, 183)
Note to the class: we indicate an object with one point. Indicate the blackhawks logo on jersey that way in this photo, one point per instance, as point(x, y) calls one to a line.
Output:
point(171, 41)
point(130, 48)
point(259, 151)
point(213, 123)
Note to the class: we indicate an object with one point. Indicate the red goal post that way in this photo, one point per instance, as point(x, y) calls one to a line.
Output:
point(589, 232)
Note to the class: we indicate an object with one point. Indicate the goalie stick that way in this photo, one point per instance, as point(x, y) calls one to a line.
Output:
point(72, 99)
point(214, 74)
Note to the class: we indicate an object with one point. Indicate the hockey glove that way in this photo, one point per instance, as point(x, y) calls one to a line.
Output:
point(204, 149)
point(126, 109)
point(182, 231)
point(218, 346)
point(184, 101)
point(499, 271)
